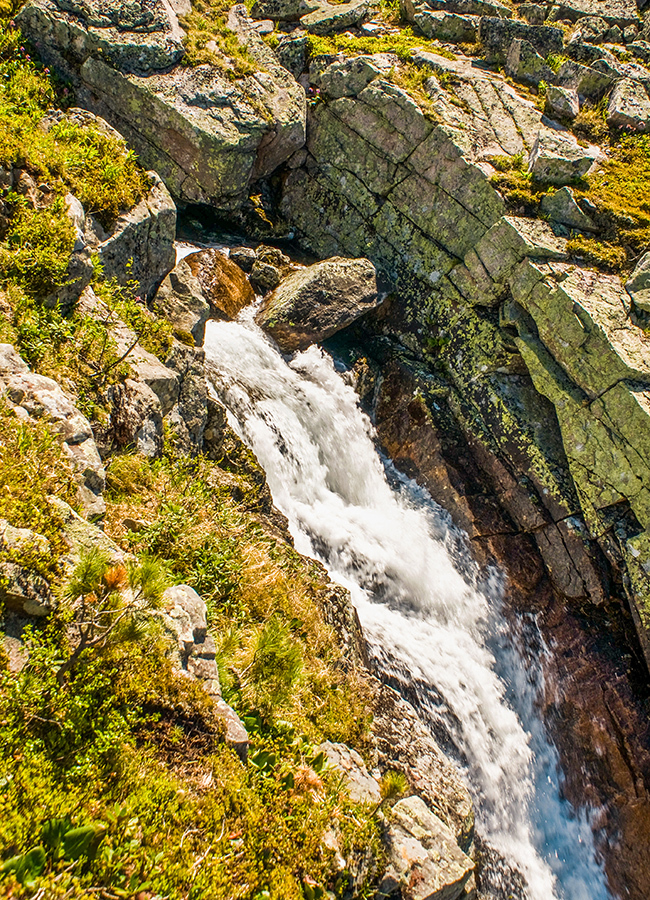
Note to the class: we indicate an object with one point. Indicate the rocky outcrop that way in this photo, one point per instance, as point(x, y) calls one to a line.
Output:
point(35, 396)
point(205, 134)
point(316, 302)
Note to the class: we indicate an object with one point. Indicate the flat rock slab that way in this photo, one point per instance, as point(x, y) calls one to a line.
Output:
point(314, 303)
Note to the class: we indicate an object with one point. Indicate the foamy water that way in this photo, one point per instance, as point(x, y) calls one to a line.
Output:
point(424, 606)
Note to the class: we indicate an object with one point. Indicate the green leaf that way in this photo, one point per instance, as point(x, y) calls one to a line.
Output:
point(82, 841)
point(27, 866)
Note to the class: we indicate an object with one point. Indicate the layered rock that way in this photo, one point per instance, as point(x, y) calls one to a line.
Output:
point(205, 134)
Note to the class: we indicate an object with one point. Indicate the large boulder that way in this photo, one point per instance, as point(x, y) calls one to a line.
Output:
point(207, 135)
point(614, 12)
point(557, 158)
point(496, 35)
point(629, 106)
point(314, 303)
point(525, 64)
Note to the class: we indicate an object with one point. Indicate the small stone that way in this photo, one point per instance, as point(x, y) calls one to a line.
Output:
point(244, 257)
point(363, 788)
point(586, 80)
point(630, 33)
point(292, 53)
point(629, 106)
point(562, 102)
point(264, 277)
point(180, 300)
point(560, 206)
point(265, 26)
point(591, 29)
point(614, 35)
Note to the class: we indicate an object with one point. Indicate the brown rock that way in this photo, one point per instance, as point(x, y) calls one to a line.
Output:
point(223, 283)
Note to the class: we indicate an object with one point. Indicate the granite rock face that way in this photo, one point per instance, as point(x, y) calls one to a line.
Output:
point(206, 135)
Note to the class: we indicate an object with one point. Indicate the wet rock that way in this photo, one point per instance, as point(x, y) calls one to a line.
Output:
point(638, 284)
point(558, 159)
point(404, 744)
point(629, 106)
point(314, 303)
point(362, 787)
point(496, 35)
point(525, 64)
point(222, 283)
point(560, 206)
point(562, 102)
point(425, 863)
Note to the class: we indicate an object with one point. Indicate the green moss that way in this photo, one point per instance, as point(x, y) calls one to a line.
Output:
point(207, 24)
point(591, 124)
point(600, 254)
point(520, 191)
point(401, 43)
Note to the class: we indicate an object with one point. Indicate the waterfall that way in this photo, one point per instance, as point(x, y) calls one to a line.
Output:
point(429, 614)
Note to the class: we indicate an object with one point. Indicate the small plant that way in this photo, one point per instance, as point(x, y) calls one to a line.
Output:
point(206, 25)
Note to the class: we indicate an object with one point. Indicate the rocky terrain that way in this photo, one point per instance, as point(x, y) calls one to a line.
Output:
point(471, 176)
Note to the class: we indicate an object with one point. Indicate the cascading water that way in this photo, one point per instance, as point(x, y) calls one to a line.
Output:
point(425, 609)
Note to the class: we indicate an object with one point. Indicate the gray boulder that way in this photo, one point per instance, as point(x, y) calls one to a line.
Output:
point(560, 206)
point(497, 34)
point(585, 80)
point(314, 303)
point(24, 591)
point(591, 29)
point(278, 10)
point(640, 49)
point(425, 862)
point(447, 26)
point(329, 18)
point(562, 102)
point(629, 106)
point(180, 300)
point(525, 64)
point(614, 12)
point(557, 158)
point(638, 284)
point(533, 13)
point(348, 77)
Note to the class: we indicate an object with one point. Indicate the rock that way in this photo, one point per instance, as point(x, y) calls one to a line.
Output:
point(186, 599)
point(562, 102)
point(180, 300)
point(485, 273)
point(328, 18)
point(316, 302)
point(615, 12)
point(640, 49)
point(587, 81)
point(592, 29)
point(404, 744)
point(136, 418)
point(278, 10)
point(140, 246)
point(638, 284)
point(236, 734)
point(560, 206)
point(244, 257)
point(525, 64)
point(558, 159)
point(77, 216)
point(11, 363)
point(292, 52)
point(348, 77)
point(42, 398)
point(362, 787)
point(496, 35)
point(219, 133)
point(630, 33)
point(533, 13)
point(187, 419)
point(424, 859)
point(447, 26)
point(82, 536)
point(629, 106)
point(339, 612)
point(216, 427)
point(222, 283)
point(24, 591)
point(79, 30)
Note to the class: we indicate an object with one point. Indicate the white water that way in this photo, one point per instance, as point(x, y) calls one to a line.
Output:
point(422, 606)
